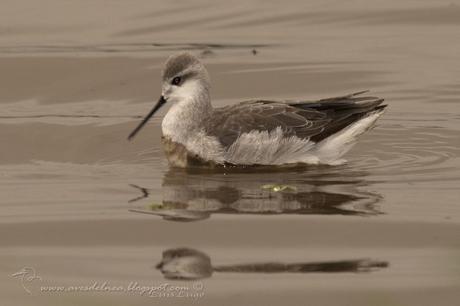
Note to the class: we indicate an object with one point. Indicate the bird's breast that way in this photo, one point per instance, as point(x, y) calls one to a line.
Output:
point(179, 156)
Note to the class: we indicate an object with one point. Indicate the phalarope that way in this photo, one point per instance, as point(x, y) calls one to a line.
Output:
point(256, 132)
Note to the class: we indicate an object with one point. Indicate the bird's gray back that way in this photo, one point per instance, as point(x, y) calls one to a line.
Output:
point(313, 120)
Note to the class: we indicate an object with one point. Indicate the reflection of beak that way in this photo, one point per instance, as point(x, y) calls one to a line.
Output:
point(159, 104)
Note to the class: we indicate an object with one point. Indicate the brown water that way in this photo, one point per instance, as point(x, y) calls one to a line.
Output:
point(77, 76)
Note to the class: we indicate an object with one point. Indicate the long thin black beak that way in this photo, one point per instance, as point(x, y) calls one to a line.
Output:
point(157, 106)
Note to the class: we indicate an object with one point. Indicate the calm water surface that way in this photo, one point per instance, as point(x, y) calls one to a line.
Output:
point(79, 204)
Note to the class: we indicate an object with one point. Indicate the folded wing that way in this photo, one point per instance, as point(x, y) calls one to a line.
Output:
point(313, 120)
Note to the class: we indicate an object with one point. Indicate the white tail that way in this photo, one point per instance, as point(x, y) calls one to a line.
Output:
point(331, 149)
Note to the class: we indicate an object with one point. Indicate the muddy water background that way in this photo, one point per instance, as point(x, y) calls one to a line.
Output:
point(76, 76)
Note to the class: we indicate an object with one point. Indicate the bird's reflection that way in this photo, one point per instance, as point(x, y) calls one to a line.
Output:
point(190, 264)
point(196, 196)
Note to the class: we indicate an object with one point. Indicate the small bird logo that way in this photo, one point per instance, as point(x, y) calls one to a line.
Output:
point(26, 275)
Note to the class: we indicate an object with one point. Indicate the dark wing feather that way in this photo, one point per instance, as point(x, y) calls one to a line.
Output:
point(313, 120)
point(228, 123)
point(342, 111)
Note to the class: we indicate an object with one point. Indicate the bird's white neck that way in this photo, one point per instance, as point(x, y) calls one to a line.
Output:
point(185, 117)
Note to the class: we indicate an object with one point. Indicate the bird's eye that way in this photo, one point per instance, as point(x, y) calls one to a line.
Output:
point(176, 81)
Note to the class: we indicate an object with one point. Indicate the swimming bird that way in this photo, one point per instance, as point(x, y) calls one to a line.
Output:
point(256, 132)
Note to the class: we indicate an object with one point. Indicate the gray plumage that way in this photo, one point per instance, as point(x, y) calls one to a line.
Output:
point(314, 120)
point(186, 66)
point(177, 64)
point(258, 132)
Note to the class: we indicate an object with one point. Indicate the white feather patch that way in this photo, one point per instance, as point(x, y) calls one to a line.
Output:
point(269, 148)
point(207, 147)
point(274, 148)
point(335, 146)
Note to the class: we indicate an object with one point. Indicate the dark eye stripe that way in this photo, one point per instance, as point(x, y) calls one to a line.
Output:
point(176, 81)
point(179, 80)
